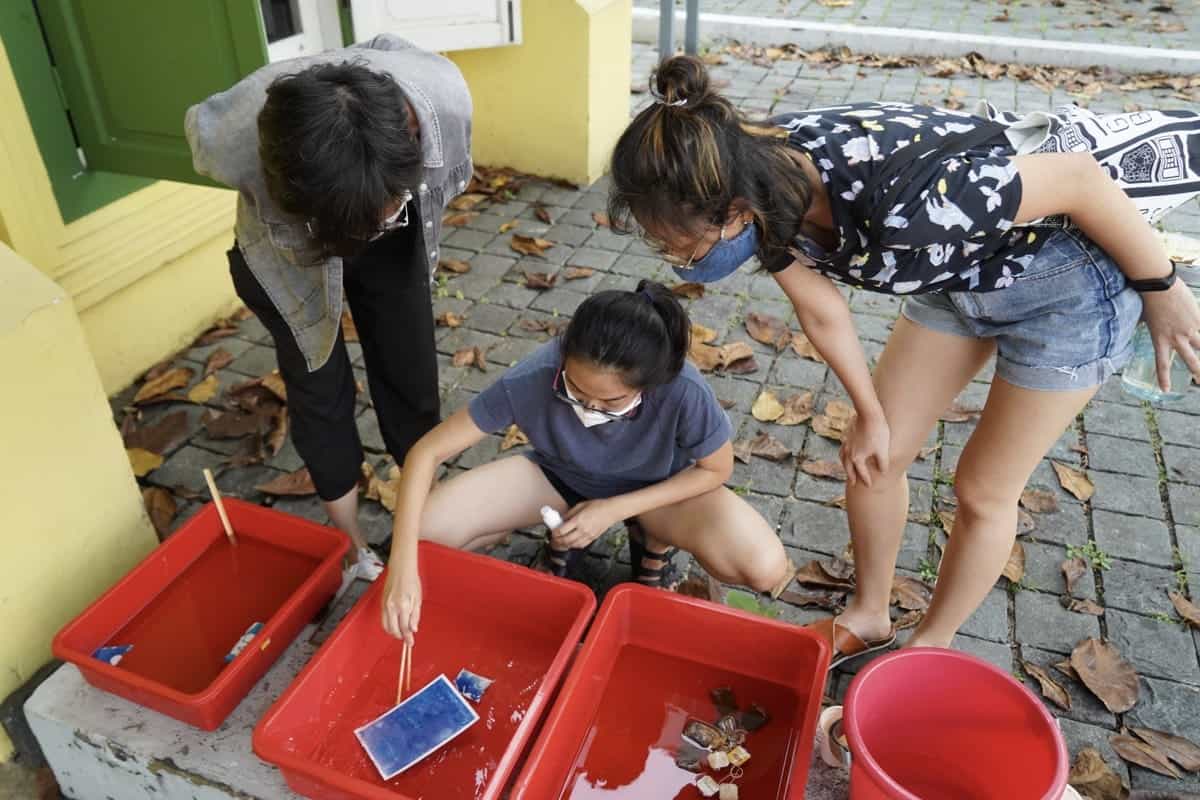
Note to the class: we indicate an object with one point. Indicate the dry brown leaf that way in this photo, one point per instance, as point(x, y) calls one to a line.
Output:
point(817, 573)
point(797, 409)
point(219, 359)
point(1109, 676)
point(824, 469)
point(143, 461)
point(909, 619)
point(1074, 481)
point(448, 319)
point(706, 357)
point(835, 421)
point(1089, 607)
point(726, 404)
point(205, 390)
point(171, 379)
point(926, 452)
point(543, 214)
point(601, 219)
point(273, 382)
point(242, 314)
point(1039, 501)
point(911, 594)
point(702, 587)
point(1065, 668)
point(577, 273)
point(1073, 569)
point(250, 450)
point(736, 357)
point(1092, 777)
point(734, 352)
point(161, 508)
point(458, 220)
point(231, 424)
point(508, 226)
point(277, 438)
point(830, 601)
point(960, 413)
point(805, 348)
point(387, 492)
point(1183, 752)
point(293, 484)
point(454, 266)
point(767, 407)
point(465, 202)
point(480, 359)
point(741, 366)
point(1025, 522)
point(463, 357)
point(254, 397)
point(1138, 752)
point(768, 330)
point(162, 436)
point(1185, 608)
point(1014, 570)
point(529, 245)
point(837, 502)
point(550, 326)
point(513, 437)
point(1052, 690)
point(766, 446)
point(349, 330)
point(688, 291)
point(702, 334)
point(947, 520)
point(222, 330)
point(541, 281)
point(741, 450)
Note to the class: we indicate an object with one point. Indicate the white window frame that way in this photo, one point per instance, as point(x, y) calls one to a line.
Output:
point(316, 33)
point(499, 25)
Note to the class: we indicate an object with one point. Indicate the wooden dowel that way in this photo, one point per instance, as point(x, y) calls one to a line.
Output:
point(216, 496)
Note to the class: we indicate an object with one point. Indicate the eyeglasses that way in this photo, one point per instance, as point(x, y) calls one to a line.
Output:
point(399, 219)
point(664, 252)
point(559, 391)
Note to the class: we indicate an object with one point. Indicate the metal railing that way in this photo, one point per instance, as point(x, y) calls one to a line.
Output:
point(666, 27)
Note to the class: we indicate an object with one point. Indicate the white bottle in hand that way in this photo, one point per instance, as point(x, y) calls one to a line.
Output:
point(551, 517)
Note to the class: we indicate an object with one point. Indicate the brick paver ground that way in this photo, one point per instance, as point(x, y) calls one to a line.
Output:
point(1144, 519)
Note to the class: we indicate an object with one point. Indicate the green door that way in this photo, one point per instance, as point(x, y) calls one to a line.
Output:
point(131, 68)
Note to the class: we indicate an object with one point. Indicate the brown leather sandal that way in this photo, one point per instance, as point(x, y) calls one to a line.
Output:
point(846, 643)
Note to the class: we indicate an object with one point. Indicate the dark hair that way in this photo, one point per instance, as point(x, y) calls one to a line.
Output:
point(336, 148)
point(644, 334)
point(683, 161)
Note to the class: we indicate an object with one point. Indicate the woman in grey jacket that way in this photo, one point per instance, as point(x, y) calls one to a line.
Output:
point(344, 162)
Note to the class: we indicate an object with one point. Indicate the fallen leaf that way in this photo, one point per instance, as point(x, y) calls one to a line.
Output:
point(219, 359)
point(1025, 522)
point(448, 319)
point(1039, 501)
point(252, 396)
point(830, 601)
point(768, 330)
point(926, 452)
point(513, 437)
point(1183, 752)
point(947, 520)
point(216, 333)
point(734, 352)
point(909, 619)
point(242, 314)
point(577, 273)
point(540, 281)
point(1185, 608)
point(817, 573)
point(910, 593)
point(231, 424)
point(741, 366)
point(508, 226)
point(1089, 607)
point(797, 409)
point(529, 245)
point(1052, 690)
point(834, 422)
point(162, 436)
point(543, 214)
point(736, 357)
point(454, 266)
point(1109, 676)
point(837, 502)
point(277, 438)
point(805, 348)
point(702, 334)
point(689, 291)
point(550, 326)
point(458, 220)
point(766, 446)
point(1073, 569)
point(205, 390)
point(767, 407)
point(1092, 777)
point(387, 492)
point(958, 413)
point(463, 357)
point(1014, 570)
point(601, 219)
point(161, 508)
point(741, 450)
point(250, 450)
point(143, 461)
point(726, 404)
point(465, 202)
point(171, 379)
point(293, 484)
point(1065, 668)
point(700, 586)
point(273, 382)
point(349, 331)
point(1074, 481)
point(1138, 752)
point(824, 469)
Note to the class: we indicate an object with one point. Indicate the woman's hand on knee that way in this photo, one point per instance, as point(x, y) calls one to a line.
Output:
point(865, 451)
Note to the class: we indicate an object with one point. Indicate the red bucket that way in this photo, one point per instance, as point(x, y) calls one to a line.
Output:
point(933, 724)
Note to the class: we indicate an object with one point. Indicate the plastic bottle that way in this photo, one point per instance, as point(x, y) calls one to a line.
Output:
point(551, 517)
point(1140, 376)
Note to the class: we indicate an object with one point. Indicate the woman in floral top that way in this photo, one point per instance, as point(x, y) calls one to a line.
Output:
point(1040, 260)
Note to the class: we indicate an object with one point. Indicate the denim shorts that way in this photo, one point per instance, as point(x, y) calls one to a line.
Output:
point(1065, 323)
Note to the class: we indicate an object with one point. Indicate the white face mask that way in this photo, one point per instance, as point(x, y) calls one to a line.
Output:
point(590, 418)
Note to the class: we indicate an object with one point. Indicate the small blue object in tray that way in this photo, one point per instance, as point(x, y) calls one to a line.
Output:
point(112, 654)
point(416, 728)
point(471, 686)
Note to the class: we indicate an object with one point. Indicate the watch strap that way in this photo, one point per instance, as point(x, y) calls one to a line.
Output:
point(1154, 284)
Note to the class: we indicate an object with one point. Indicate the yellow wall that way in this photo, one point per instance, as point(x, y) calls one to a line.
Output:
point(73, 516)
point(555, 104)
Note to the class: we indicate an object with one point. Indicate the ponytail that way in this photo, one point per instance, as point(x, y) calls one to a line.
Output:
point(644, 335)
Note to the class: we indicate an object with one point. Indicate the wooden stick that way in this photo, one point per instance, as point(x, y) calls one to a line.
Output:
point(408, 670)
point(403, 664)
point(216, 496)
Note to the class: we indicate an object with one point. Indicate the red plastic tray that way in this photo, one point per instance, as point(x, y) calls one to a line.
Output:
point(189, 601)
point(648, 664)
point(499, 620)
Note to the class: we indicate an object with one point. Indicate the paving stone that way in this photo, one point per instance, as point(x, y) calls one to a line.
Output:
point(185, 468)
point(369, 433)
point(230, 344)
point(256, 361)
point(1189, 550)
point(771, 508)
point(1134, 538)
point(1115, 419)
point(636, 265)
point(1085, 707)
point(1171, 707)
point(799, 373)
point(764, 476)
point(1042, 622)
point(1138, 587)
point(492, 318)
point(992, 652)
point(558, 301)
point(454, 400)
point(714, 311)
point(489, 264)
point(1043, 571)
point(1067, 526)
point(1185, 504)
point(241, 481)
point(817, 528)
point(1110, 454)
point(473, 285)
point(1079, 736)
point(1127, 494)
point(1183, 463)
point(1179, 428)
point(1156, 649)
point(484, 451)
point(914, 547)
point(309, 508)
point(466, 337)
point(593, 258)
point(253, 330)
point(990, 620)
point(574, 235)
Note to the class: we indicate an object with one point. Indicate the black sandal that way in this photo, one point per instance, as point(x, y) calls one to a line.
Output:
point(666, 576)
point(559, 562)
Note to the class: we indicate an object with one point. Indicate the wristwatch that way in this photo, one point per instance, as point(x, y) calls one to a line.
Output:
point(1154, 284)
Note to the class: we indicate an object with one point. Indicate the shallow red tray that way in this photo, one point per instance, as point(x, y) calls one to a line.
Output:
point(188, 602)
point(505, 622)
point(648, 665)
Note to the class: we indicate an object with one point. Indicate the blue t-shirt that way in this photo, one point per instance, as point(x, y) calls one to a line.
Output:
point(675, 424)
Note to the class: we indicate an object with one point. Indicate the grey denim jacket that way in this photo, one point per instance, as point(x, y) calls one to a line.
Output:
point(303, 283)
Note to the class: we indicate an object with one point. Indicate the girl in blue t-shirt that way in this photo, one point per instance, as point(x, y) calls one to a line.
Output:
point(621, 428)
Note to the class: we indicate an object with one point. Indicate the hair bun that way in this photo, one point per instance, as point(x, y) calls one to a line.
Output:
point(681, 81)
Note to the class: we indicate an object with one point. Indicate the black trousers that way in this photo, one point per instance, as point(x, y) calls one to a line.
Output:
point(387, 289)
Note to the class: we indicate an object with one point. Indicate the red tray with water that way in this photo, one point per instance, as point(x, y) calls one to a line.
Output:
point(187, 604)
point(496, 619)
point(648, 665)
